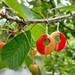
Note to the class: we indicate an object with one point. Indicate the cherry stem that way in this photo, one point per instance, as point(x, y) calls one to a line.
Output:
point(5, 64)
point(32, 56)
point(6, 29)
point(49, 11)
point(29, 44)
point(8, 38)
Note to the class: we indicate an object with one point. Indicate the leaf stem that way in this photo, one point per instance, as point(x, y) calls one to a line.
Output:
point(5, 64)
point(8, 38)
point(6, 29)
point(29, 44)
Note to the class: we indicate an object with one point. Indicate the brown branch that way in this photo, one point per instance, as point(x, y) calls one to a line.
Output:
point(25, 22)
point(65, 25)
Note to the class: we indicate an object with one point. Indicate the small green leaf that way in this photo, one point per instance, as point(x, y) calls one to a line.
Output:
point(71, 65)
point(73, 58)
point(28, 62)
point(69, 54)
point(57, 15)
point(27, 12)
point(36, 30)
point(72, 72)
point(35, 16)
point(46, 41)
point(15, 51)
point(15, 6)
point(59, 5)
point(57, 38)
point(70, 8)
point(36, 9)
point(73, 3)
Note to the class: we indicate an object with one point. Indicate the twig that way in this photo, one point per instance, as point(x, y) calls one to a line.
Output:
point(6, 29)
point(49, 11)
point(65, 25)
point(25, 22)
point(5, 64)
point(5, 8)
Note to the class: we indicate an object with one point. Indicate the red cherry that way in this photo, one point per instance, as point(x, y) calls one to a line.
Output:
point(32, 52)
point(33, 68)
point(1, 45)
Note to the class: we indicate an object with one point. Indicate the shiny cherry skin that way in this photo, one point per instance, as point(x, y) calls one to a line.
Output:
point(1, 45)
point(33, 68)
point(32, 52)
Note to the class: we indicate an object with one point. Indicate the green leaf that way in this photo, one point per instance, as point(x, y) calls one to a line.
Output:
point(70, 8)
point(14, 24)
point(73, 2)
point(15, 6)
point(57, 38)
point(36, 9)
point(73, 32)
point(14, 52)
point(28, 62)
point(27, 12)
point(69, 53)
point(36, 30)
point(72, 72)
point(1, 64)
point(73, 58)
point(59, 5)
point(57, 15)
point(71, 65)
point(35, 16)
point(46, 41)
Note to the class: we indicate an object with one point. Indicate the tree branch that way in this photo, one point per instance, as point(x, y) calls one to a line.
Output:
point(25, 22)
point(65, 26)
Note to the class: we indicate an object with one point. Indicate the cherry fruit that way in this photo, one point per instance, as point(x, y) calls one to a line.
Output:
point(1, 45)
point(33, 68)
point(32, 52)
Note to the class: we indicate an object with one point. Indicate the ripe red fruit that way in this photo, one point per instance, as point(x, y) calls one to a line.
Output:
point(1, 45)
point(32, 52)
point(33, 68)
